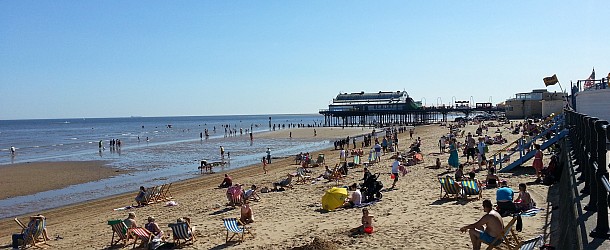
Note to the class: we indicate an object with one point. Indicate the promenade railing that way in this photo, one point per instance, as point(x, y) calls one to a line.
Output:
point(589, 137)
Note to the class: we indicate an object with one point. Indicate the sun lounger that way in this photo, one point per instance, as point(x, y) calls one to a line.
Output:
point(182, 231)
point(236, 227)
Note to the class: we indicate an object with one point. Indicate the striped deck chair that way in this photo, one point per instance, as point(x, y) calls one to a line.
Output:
point(33, 233)
point(471, 187)
point(182, 231)
point(356, 160)
point(531, 243)
point(120, 229)
point(236, 227)
point(235, 195)
point(140, 233)
point(148, 196)
point(448, 185)
point(509, 238)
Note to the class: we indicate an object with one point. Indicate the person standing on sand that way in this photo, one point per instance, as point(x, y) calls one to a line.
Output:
point(222, 152)
point(268, 155)
point(411, 132)
point(264, 165)
point(488, 229)
point(395, 170)
point(454, 160)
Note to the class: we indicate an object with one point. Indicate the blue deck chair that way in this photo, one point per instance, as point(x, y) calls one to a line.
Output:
point(448, 185)
point(471, 187)
point(32, 233)
point(236, 227)
point(182, 231)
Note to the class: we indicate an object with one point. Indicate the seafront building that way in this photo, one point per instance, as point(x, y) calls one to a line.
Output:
point(538, 103)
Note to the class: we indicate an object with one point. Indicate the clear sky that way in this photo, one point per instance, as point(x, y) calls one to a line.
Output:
point(72, 59)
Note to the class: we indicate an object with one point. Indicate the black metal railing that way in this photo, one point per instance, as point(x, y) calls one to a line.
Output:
point(589, 137)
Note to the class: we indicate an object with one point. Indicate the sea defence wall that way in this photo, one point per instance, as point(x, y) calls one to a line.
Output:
point(584, 184)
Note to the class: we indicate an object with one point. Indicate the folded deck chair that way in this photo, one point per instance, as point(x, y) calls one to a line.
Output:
point(33, 233)
point(140, 233)
point(120, 230)
point(448, 185)
point(236, 227)
point(471, 187)
point(181, 231)
point(509, 238)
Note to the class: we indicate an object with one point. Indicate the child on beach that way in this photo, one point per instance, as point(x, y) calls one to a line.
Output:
point(264, 165)
point(367, 223)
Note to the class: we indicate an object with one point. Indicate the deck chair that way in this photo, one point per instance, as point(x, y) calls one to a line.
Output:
point(33, 233)
point(531, 243)
point(448, 185)
point(356, 160)
point(181, 231)
point(236, 227)
point(302, 177)
point(471, 187)
point(320, 159)
point(141, 233)
point(165, 194)
point(159, 193)
point(235, 196)
point(120, 230)
point(148, 195)
point(509, 238)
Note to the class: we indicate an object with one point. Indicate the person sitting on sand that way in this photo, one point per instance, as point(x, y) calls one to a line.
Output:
point(504, 199)
point(327, 173)
point(524, 200)
point(459, 173)
point(252, 194)
point(247, 216)
point(154, 228)
point(130, 222)
point(227, 182)
point(367, 223)
point(488, 229)
point(140, 197)
point(283, 183)
point(355, 199)
point(24, 233)
point(438, 163)
point(491, 180)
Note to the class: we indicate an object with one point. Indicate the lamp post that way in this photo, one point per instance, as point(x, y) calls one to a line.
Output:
point(423, 101)
point(437, 101)
point(453, 101)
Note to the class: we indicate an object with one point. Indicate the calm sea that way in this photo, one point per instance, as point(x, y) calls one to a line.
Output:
point(159, 149)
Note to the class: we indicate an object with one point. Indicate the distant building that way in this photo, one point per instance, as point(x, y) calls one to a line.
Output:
point(538, 103)
point(381, 101)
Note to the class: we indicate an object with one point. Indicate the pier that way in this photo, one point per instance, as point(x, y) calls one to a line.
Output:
point(393, 108)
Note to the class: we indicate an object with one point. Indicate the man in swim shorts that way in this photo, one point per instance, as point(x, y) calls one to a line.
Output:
point(488, 229)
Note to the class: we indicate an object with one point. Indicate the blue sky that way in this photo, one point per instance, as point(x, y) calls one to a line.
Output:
point(72, 59)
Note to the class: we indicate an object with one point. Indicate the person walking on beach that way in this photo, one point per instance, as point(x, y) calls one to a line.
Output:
point(222, 152)
point(12, 151)
point(488, 229)
point(395, 170)
point(268, 155)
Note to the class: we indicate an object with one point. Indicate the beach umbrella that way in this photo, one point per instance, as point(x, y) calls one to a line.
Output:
point(334, 198)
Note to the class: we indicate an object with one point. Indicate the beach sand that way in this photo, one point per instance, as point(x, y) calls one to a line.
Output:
point(411, 217)
point(30, 178)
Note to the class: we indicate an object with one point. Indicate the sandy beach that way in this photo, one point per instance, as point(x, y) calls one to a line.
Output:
point(410, 217)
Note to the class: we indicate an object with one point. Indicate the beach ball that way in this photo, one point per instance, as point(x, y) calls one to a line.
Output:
point(368, 230)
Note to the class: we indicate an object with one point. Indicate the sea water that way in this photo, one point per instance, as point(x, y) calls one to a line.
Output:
point(157, 150)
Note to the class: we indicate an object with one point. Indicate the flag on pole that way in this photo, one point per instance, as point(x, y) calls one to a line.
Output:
point(551, 80)
point(590, 81)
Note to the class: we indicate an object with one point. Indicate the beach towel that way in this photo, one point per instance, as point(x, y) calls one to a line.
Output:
point(531, 212)
point(123, 208)
point(365, 204)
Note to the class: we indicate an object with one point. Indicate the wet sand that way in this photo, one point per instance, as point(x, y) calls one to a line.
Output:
point(30, 178)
